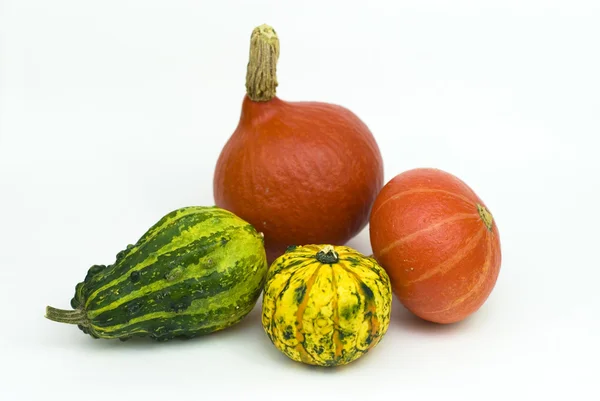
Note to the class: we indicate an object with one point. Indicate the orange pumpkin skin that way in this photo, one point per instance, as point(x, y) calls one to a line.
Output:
point(438, 243)
point(300, 172)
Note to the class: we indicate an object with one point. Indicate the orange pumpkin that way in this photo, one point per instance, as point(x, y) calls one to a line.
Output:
point(438, 243)
point(300, 172)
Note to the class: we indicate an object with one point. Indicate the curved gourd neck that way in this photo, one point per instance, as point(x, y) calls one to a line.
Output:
point(257, 112)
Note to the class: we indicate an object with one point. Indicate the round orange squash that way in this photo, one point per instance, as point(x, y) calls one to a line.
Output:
point(438, 243)
point(300, 172)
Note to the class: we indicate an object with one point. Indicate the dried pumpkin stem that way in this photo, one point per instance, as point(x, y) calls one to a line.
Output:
point(486, 216)
point(261, 78)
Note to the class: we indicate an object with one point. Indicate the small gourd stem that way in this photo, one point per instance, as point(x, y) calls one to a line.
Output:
point(486, 216)
point(261, 77)
point(75, 316)
point(327, 255)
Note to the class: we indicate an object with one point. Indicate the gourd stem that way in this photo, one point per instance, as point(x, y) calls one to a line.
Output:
point(75, 316)
point(486, 216)
point(327, 255)
point(261, 77)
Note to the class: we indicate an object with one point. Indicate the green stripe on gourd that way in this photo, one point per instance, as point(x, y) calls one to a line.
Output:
point(178, 226)
point(197, 270)
point(173, 267)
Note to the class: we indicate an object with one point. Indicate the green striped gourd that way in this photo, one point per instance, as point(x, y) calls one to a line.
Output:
point(196, 271)
point(326, 305)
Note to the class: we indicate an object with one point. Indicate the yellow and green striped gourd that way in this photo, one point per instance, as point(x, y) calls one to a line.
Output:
point(326, 305)
point(198, 270)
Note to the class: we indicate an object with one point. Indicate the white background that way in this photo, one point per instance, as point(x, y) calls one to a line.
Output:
point(113, 113)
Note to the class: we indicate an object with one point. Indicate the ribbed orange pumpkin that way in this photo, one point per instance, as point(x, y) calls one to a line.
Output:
point(438, 243)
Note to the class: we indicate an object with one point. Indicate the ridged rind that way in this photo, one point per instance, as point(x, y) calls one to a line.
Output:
point(196, 271)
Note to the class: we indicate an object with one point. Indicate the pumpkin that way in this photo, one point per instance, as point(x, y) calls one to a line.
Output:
point(196, 271)
point(290, 165)
point(326, 305)
point(438, 242)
